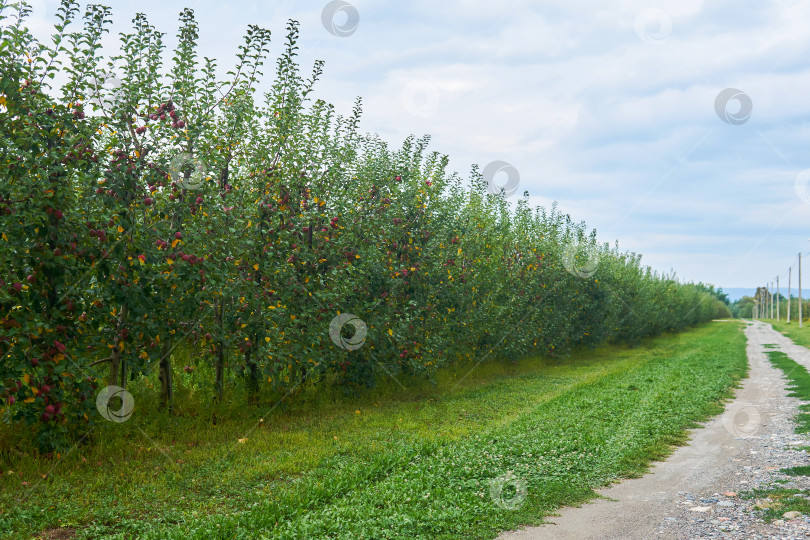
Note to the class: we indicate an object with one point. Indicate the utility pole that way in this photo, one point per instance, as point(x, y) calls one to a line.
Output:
point(777, 298)
point(789, 272)
point(770, 298)
point(800, 289)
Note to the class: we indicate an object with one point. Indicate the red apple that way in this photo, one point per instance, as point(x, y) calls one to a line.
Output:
point(50, 409)
point(199, 200)
point(148, 201)
point(17, 286)
point(178, 235)
point(34, 362)
point(45, 389)
point(11, 400)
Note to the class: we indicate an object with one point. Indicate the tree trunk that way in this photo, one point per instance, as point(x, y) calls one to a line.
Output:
point(123, 377)
point(253, 379)
point(220, 376)
point(115, 361)
point(166, 380)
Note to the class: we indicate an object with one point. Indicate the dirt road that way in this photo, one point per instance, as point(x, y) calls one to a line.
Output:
point(693, 493)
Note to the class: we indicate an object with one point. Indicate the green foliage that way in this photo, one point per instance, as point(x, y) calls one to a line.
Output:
point(743, 308)
point(149, 208)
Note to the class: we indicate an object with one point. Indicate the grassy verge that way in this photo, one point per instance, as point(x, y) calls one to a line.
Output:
point(773, 502)
point(507, 446)
point(800, 336)
point(799, 386)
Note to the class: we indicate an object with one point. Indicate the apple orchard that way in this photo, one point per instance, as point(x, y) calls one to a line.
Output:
point(149, 209)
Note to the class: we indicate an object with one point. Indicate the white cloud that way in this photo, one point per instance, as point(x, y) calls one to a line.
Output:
point(622, 132)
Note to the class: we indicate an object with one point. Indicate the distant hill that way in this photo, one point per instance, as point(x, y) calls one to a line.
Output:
point(735, 293)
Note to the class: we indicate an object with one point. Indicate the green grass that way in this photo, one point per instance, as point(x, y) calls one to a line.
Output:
point(775, 502)
point(802, 470)
point(394, 463)
point(799, 386)
point(800, 336)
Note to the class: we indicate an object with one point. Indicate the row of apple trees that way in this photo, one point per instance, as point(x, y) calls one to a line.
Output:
point(146, 207)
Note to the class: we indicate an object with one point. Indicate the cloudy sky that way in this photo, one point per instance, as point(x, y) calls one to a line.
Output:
point(616, 110)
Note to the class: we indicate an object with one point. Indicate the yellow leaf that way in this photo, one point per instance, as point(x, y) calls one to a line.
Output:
point(120, 229)
point(26, 378)
point(28, 400)
point(242, 441)
point(170, 261)
point(267, 339)
point(58, 358)
point(390, 332)
point(255, 266)
point(175, 242)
